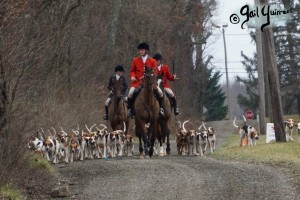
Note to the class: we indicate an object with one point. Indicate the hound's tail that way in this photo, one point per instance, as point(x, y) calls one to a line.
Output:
point(184, 124)
point(124, 127)
point(236, 126)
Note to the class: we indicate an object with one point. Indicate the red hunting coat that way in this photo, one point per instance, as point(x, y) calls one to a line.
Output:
point(166, 75)
point(138, 68)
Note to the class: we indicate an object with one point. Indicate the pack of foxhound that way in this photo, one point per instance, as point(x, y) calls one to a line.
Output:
point(91, 143)
point(98, 142)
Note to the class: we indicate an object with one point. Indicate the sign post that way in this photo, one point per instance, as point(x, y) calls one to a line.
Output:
point(270, 134)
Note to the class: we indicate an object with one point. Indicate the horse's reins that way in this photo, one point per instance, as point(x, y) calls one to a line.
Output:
point(150, 85)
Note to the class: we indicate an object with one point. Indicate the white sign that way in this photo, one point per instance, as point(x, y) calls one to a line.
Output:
point(270, 135)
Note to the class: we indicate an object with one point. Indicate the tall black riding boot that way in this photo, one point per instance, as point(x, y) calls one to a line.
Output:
point(176, 110)
point(105, 117)
point(131, 111)
point(161, 109)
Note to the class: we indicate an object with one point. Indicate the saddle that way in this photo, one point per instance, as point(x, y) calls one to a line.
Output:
point(122, 98)
point(137, 91)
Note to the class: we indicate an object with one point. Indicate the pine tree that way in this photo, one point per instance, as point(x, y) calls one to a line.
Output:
point(287, 43)
point(214, 97)
point(251, 100)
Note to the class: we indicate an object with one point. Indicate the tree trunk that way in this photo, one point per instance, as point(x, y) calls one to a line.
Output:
point(3, 85)
point(114, 25)
point(298, 103)
point(3, 99)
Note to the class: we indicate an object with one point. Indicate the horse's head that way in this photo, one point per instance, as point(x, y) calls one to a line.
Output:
point(149, 77)
point(117, 88)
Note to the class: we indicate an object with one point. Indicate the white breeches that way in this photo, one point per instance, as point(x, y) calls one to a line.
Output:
point(169, 91)
point(131, 91)
point(107, 101)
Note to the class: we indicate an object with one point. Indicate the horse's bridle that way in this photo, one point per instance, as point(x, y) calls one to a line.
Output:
point(148, 74)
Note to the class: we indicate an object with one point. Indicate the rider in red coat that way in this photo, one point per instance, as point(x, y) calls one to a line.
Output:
point(137, 72)
point(164, 73)
point(138, 67)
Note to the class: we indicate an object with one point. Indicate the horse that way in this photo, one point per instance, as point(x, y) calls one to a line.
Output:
point(164, 123)
point(147, 111)
point(118, 114)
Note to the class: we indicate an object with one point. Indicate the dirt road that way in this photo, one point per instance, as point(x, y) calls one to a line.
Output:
point(175, 177)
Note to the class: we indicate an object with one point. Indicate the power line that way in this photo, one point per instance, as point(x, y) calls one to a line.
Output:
point(236, 61)
point(229, 61)
point(249, 34)
point(238, 72)
point(232, 34)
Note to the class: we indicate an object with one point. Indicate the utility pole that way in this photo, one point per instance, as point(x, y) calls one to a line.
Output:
point(226, 70)
point(222, 28)
point(273, 80)
point(260, 73)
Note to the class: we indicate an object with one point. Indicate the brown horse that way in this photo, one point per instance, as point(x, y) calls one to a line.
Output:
point(117, 109)
point(164, 123)
point(147, 111)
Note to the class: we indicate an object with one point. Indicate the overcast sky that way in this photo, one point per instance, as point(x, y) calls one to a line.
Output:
point(237, 40)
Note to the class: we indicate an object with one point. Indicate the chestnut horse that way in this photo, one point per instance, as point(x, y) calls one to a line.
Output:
point(164, 123)
point(147, 111)
point(118, 109)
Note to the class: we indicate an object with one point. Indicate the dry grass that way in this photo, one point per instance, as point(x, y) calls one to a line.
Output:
point(7, 192)
point(39, 162)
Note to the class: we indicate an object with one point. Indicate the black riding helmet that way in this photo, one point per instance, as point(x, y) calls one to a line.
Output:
point(119, 68)
point(157, 57)
point(143, 45)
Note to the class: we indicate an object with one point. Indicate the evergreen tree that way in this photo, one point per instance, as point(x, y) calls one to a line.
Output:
point(251, 100)
point(214, 97)
point(287, 43)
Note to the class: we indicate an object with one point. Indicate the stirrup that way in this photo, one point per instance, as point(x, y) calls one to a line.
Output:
point(131, 113)
point(176, 111)
point(161, 112)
